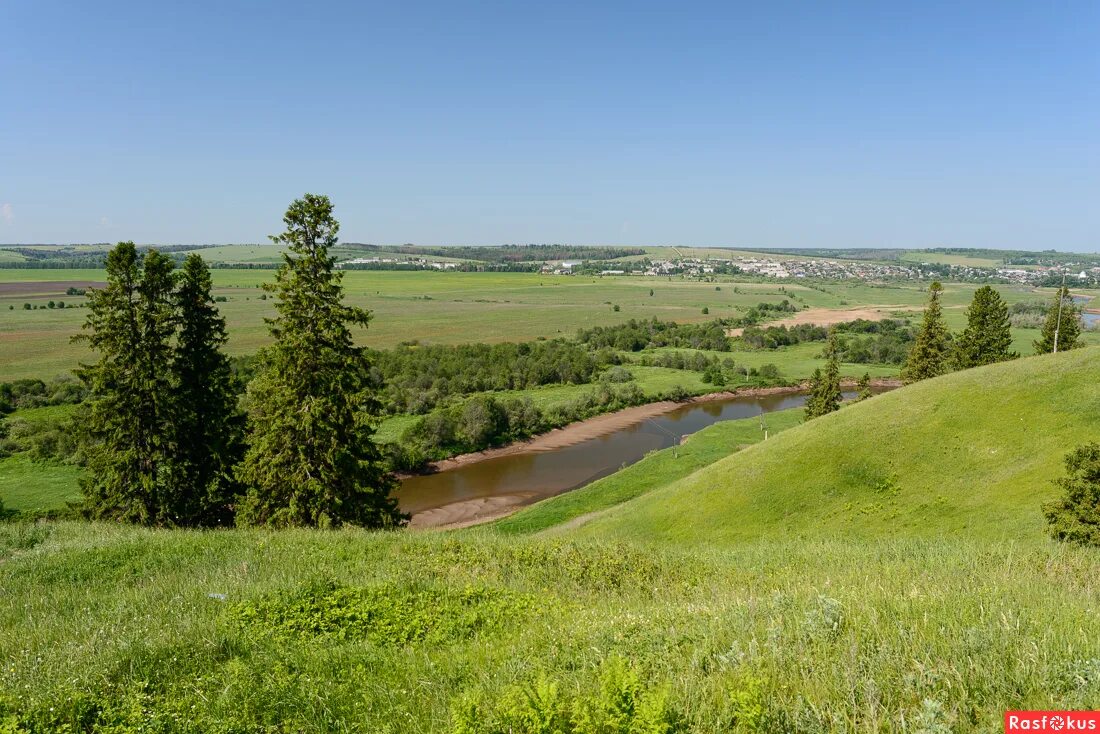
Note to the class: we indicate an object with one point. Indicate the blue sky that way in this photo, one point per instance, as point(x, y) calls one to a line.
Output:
point(747, 124)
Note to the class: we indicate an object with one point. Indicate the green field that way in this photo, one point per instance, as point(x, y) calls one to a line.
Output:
point(919, 256)
point(449, 308)
point(881, 569)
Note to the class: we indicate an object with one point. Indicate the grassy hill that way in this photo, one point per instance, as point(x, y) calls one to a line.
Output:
point(882, 569)
point(971, 452)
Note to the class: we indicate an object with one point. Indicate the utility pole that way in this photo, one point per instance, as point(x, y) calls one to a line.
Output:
point(1058, 324)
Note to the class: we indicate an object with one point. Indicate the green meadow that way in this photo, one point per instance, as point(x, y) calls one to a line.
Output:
point(880, 569)
point(437, 307)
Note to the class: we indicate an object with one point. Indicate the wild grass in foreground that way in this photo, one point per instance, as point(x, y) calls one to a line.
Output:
point(106, 628)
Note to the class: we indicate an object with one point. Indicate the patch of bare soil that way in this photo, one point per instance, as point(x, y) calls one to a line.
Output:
point(830, 316)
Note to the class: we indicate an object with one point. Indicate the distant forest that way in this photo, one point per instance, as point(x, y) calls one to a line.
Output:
point(507, 253)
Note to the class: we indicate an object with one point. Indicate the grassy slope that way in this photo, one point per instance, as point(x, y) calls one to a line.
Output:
point(862, 631)
point(118, 624)
point(656, 470)
point(972, 452)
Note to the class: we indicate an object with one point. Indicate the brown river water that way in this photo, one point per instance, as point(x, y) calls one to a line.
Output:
point(495, 486)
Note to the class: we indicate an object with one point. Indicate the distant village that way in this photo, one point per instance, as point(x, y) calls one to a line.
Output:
point(762, 266)
point(820, 268)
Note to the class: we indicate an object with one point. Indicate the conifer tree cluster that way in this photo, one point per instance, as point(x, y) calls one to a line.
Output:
point(167, 443)
point(162, 426)
point(987, 337)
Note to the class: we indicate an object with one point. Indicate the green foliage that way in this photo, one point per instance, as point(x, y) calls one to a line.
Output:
point(1075, 516)
point(483, 421)
point(636, 335)
point(312, 459)
point(825, 394)
point(416, 378)
point(160, 430)
point(129, 423)
point(32, 393)
point(383, 615)
point(619, 705)
point(864, 386)
point(930, 353)
point(988, 334)
point(208, 424)
point(1062, 326)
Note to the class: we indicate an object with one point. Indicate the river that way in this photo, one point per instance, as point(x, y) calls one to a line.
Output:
point(497, 485)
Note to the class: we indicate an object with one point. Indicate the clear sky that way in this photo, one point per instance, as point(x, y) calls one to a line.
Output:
point(767, 124)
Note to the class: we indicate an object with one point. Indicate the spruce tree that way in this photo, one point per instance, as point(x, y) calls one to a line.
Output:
point(1075, 516)
point(864, 386)
point(1068, 326)
point(931, 350)
point(825, 395)
point(208, 425)
point(312, 460)
point(131, 323)
point(988, 334)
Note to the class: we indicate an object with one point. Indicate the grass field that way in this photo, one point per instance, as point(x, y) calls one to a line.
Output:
point(439, 307)
point(918, 256)
point(882, 569)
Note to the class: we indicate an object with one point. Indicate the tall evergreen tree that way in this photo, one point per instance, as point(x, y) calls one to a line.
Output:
point(1063, 318)
point(988, 334)
point(825, 395)
point(131, 323)
point(209, 427)
point(312, 459)
point(929, 356)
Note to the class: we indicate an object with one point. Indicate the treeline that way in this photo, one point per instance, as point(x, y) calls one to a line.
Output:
point(860, 341)
point(636, 335)
point(718, 372)
point(68, 258)
point(484, 421)
point(874, 342)
point(33, 393)
point(764, 311)
point(414, 378)
point(460, 267)
point(510, 253)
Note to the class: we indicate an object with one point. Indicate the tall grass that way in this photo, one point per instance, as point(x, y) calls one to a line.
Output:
point(188, 631)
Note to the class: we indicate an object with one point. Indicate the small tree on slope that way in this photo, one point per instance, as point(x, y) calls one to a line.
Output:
point(1067, 321)
point(312, 459)
point(864, 386)
point(1075, 518)
point(825, 395)
point(930, 352)
point(129, 434)
point(208, 424)
point(988, 334)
